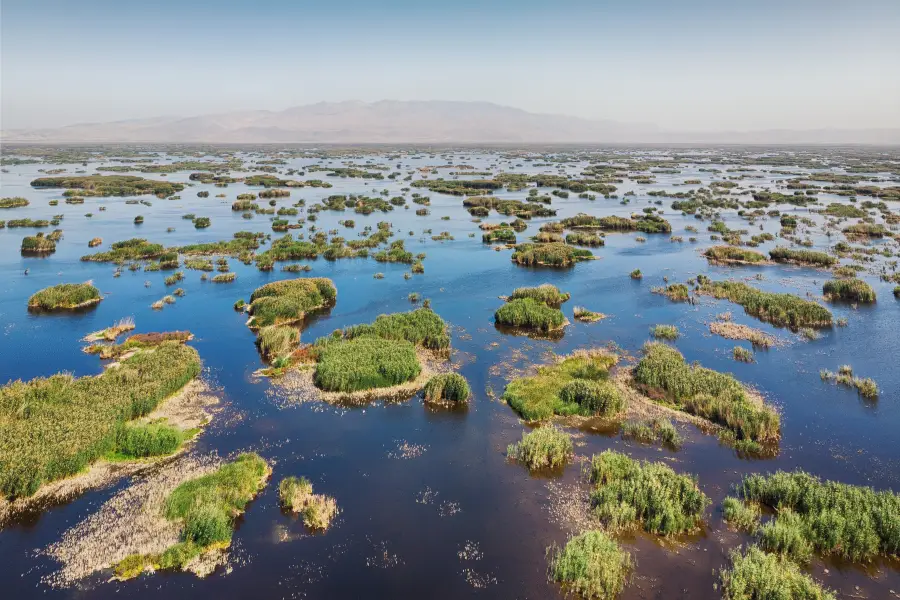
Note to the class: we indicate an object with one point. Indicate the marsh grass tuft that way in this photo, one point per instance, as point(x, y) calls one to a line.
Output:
point(755, 575)
point(591, 565)
point(544, 447)
point(447, 388)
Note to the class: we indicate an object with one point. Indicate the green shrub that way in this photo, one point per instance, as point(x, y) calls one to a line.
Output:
point(64, 296)
point(650, 495)
point(544, 447)
point(756, 575)
point(529, 314)
point(447, 387)
point(538, 397)
point(591, 565)
point(364, 363)
point(855, 290)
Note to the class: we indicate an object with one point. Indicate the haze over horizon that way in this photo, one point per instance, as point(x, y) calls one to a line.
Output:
point(697, 66)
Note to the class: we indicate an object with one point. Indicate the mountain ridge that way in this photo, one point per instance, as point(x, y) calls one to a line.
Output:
point(419, 121)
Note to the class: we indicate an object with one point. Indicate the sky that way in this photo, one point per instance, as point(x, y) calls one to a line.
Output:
point(688, 65)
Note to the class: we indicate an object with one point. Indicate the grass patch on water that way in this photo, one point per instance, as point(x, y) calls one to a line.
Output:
point(545, 447)
point(205, 508)
point(733, 254)
point(527, 313)
point(591, 565)
point(855, 523)
point(716, 396)
point(664, 332)
point(422, 327)
point(364, 363)
point(574, 385)
point(65, 296)
point(648, 495)
point(554, 254)
point(55, 427)
point(755, 575)
point(854, 290)
point(288, 301)
point(447, 388)
point(296, 495)
point(545, 293)
point(802, 257)
point(779, 309)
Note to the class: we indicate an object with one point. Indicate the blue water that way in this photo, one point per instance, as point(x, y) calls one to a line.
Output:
point(403, 521)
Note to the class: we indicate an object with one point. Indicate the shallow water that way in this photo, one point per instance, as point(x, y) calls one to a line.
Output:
point(404, 521)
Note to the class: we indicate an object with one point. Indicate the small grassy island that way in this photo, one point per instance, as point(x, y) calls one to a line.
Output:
point(65, 296)
point(205, 510)
point(13, 202)
point(785, 310)
point(731, 255)
point(38, 245)
point(573, 385)
point(289, 301)
point(553, 254)
point(715, 396)
point(533, 309)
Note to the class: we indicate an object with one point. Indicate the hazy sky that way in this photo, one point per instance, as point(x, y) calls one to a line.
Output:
point(684, 65)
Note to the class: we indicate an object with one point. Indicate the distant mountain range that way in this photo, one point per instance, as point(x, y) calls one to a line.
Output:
point(422, 122)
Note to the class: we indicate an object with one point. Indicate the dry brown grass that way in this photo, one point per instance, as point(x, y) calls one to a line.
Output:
point(734, 331)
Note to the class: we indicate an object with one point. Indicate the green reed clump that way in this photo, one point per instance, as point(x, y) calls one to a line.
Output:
point(677, 292)
point(591, 565)
point(853, 522)
point(503, 235)
point(742, 354)
point(733, 254)
point(649, 495)
point(740, 515)
point(65, 296)
point(148, 439)
point(778, 309)
point(554, 254)
point(539, 396)
point(592, 397)
point(664, 332)
point(756, 575)
point(277, 340)
point(422, 327)
point(544, 447)
point(583, 238)
point(786, 535)
point(545, 293)
point(54, 427)
point(289, 300)
point(716, 396)
point(364, 363)
point(802, 257)
point(867, 230)
point(527, 313)
point(296, 495)
point(447, 388)
point(855, 290)
point(653, 430)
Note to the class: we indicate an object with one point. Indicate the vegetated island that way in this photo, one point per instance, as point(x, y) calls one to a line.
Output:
point(65, 296)
point(61, 435)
